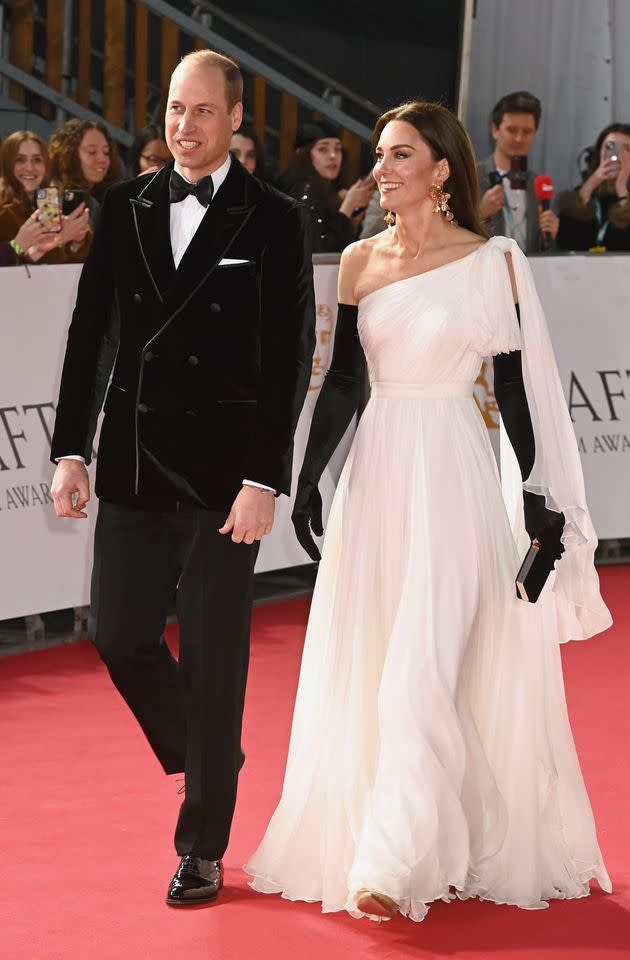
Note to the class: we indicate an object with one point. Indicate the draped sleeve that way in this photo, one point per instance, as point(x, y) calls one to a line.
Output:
point(557, 471)
point(497, 329)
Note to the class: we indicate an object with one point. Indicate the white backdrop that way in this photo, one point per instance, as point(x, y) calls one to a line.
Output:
point(572, 54)
point(45, 562)
point(586, 301)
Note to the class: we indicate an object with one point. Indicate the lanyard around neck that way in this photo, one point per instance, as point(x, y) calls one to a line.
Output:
point(599, 217)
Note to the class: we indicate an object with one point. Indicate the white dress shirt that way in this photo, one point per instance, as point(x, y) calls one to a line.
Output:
point(188, 213)
point(185, 218)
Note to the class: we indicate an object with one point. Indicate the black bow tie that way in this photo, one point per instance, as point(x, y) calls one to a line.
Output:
point(179, 189)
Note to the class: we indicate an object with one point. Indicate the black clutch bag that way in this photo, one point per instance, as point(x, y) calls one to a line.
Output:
point(533, 574)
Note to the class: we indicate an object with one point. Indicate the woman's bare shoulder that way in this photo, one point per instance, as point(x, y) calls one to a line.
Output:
point(354, 260)
point(467, 240)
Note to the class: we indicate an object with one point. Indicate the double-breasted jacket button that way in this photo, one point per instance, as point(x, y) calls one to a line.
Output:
point(148, 357)
point(143, 408)
point(215, 308)
point(137, 298)
point(192, 360)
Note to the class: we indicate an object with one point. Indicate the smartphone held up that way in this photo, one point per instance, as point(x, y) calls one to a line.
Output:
point(71, 200)
point(49, 209)
point(612, 154)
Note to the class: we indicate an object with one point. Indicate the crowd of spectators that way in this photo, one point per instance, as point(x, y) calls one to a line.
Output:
point(81, 160)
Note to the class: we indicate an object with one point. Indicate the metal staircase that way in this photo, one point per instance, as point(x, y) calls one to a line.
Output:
point(111, 60)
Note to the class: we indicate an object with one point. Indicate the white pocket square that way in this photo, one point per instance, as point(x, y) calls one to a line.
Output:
point(227, 262)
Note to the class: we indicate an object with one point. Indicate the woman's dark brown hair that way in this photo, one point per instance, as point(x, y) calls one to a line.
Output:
point(65, 163)
point(249, 133)
point(301, 171)
point(447, 139)
point(12, 189)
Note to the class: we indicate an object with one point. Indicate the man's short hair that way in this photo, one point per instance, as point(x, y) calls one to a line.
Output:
point(229, 68)
point(520, 102)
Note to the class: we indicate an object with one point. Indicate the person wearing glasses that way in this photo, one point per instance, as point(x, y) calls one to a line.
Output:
point(149, 152)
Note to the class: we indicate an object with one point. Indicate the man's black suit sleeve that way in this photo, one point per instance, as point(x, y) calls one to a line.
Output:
point(286, 345)
point(89, 354)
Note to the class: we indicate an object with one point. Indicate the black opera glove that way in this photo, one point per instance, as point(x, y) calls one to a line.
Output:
point(307, 516)
point(338, 401)
point(541, 523)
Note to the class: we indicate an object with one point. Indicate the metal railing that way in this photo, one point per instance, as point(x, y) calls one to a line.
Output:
point(308, 69)
point(194, 28)
point(60, 100)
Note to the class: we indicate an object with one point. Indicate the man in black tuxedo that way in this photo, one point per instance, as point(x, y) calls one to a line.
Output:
point(197, 299)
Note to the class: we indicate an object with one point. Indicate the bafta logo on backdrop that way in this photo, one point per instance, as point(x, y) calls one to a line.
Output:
point(324, 331)
point(484, 395)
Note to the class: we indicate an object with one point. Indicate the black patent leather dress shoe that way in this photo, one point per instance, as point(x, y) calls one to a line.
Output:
point(197, 881)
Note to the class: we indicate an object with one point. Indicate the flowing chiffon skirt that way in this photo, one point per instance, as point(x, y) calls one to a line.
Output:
point(431, 752)
point(431, 747)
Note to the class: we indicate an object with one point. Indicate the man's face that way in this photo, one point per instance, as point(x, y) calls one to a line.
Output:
point(515, 134)
point(198, 124)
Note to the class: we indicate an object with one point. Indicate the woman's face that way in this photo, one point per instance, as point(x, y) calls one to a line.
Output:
point(94, 156)
point(326, 157)
point(622, 141)
point(155, 155)
point(29, 167)
point(404, 168)
point(244, 149)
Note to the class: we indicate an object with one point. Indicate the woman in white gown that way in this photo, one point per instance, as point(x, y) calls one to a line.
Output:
point(431, 752)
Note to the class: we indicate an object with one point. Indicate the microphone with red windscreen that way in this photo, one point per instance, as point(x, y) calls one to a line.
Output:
point(543, 188)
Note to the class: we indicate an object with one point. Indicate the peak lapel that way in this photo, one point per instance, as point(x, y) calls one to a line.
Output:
point(151, 217)
point(224, 219)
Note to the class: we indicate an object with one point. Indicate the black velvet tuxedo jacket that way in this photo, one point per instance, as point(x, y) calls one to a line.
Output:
point(209, 363)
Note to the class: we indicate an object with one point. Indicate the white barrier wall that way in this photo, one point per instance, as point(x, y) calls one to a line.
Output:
point(586, 300)
point(45, 562)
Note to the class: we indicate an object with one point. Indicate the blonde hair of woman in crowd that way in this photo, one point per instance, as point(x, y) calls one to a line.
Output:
point(24, 169)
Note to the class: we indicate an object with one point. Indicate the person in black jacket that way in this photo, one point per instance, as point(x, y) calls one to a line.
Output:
point(207, 276)
point(315, 177)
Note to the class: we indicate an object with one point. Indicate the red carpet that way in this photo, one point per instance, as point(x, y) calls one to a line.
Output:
point(86, 819)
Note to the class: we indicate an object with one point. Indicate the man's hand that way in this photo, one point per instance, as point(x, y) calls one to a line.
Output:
point(251, 516)
point(71, 489)
point(491, 202)
point(548, 222)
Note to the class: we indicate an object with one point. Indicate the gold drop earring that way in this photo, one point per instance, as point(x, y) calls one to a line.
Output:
point(440, 202)
point(390, 218)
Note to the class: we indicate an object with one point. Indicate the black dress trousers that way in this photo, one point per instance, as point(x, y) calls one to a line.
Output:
point(191, 710)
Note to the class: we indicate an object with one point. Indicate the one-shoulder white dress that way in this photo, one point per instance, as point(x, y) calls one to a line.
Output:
point(431, 753)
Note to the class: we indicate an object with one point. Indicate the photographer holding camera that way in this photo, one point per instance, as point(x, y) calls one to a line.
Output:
point(508, 205)
point(596, 215)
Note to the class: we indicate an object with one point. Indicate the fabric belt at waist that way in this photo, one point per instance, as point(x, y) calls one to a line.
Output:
point(454, 388)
